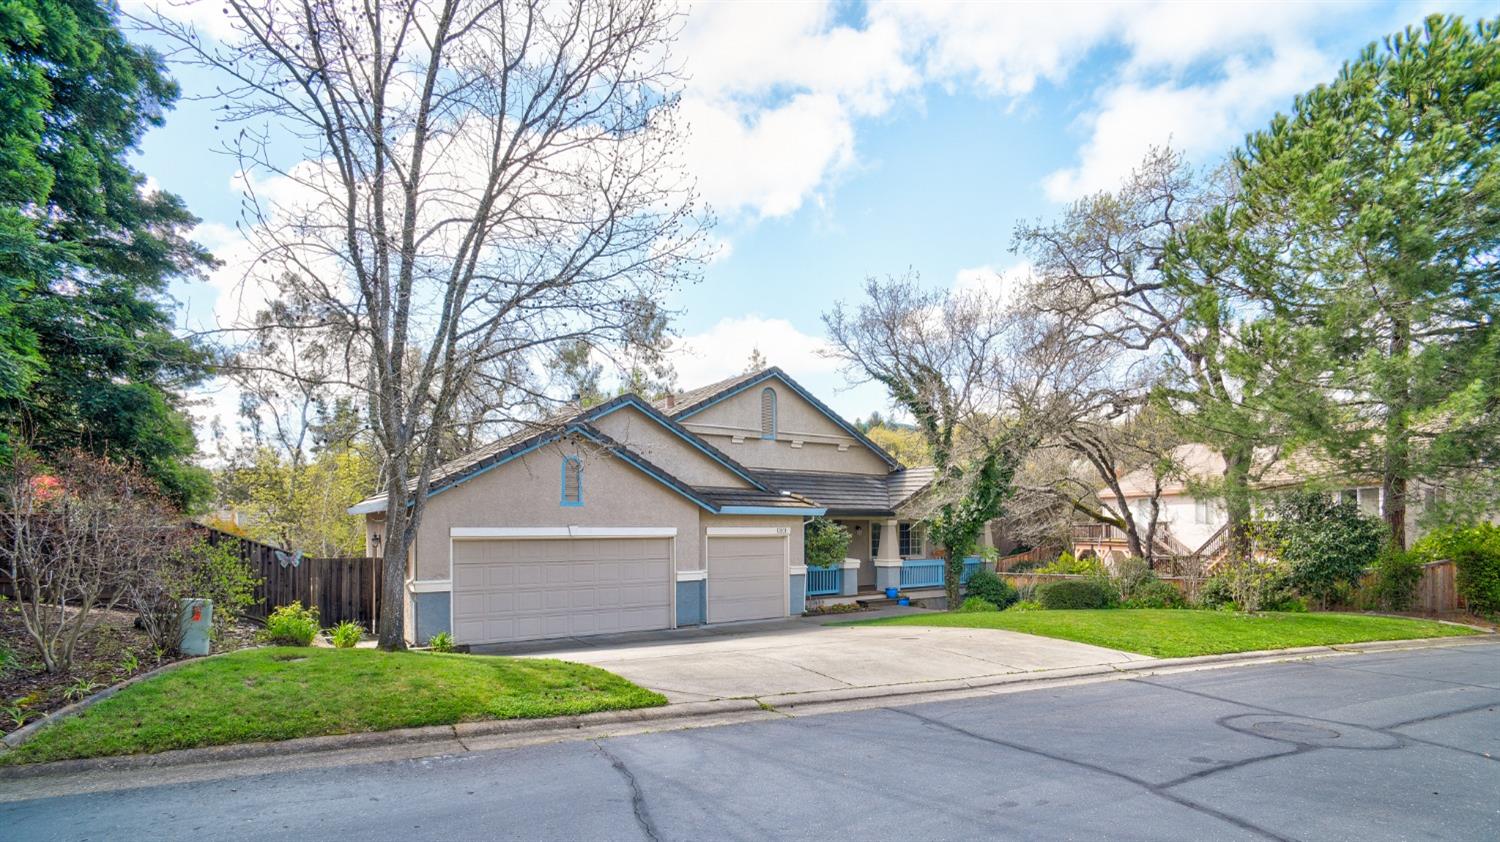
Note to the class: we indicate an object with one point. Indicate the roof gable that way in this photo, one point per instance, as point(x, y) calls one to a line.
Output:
point(693, 402)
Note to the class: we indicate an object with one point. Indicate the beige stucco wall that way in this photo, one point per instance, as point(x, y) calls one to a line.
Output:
point(632, 428)
point(796, 421)
point(793, 525)
point(526, 492)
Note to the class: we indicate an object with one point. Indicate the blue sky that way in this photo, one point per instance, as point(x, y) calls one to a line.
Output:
point(841, 140)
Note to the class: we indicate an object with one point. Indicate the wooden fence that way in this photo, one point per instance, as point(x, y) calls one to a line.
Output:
point(1437, 590)
point(341, 588)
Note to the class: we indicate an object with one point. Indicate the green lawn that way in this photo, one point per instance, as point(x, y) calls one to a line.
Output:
point(1180, 634)
point(281, 693)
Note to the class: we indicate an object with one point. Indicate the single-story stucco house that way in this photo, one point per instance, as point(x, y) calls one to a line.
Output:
point(633, 515)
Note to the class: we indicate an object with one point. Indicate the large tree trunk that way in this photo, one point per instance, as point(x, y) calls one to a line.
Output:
point(400, 531)
point(1396, 464)
point(1237, 466)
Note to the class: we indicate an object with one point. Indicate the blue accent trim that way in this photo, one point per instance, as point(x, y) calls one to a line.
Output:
point(768, 434)
point(805, 395)
point(563, 490)
point(773, 510)
point(691, 599)
point(650, 412)
point(824, 581)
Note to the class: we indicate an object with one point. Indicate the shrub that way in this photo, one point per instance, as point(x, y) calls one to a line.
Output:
point(1129, 574)
point(1078, 593)
point(1027, 605)
point(1396, 576)
point(1066, 564)
point(1326, 544)
point(291, 625)
point(1154, 593)
point(1475, 551)
point(441, 642)
point(824, 543)
point(975, 604)
point(200, 570)
point(1216, 592)
point(992, 589)
point(346, 634)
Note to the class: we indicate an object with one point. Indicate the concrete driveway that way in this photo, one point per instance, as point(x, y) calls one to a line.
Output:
point(806, 655)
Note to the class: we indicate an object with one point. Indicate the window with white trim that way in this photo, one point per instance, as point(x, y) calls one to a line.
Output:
point(768, 413)
point(572, 481)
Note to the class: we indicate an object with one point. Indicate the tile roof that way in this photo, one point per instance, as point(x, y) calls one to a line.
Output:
point(722, 497)
point(851, 494)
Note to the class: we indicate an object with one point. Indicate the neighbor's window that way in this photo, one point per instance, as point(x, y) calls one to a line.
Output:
point(572, 481)
point(768, 413)
point(1204, 511)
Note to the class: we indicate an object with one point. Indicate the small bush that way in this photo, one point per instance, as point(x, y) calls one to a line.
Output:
point(291, 625)
point(1396, 576)
point(1027, 605)
point(441, 642)
point(824, 543)
point(1216, 592)
point(346, 634)
point(1078, 593)
point(992, 589)
point(1475, 551)
point(976, 604)
point(1066, 564)
point(1154, 593)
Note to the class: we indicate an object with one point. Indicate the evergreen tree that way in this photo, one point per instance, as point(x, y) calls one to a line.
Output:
point(87, 353)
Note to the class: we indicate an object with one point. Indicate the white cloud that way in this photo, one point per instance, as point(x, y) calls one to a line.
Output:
point(724, 349)
point(998, 284)
point(772, 97)
point(1202, 120)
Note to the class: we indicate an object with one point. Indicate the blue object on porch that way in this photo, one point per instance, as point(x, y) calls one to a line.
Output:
point(904, 601)
point(921, 573)
point(823, 581)
point(891, 593)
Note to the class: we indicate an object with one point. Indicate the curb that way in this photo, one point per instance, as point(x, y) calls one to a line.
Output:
point(684, 713)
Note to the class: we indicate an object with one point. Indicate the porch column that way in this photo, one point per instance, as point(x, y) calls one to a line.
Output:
point(849, 578)
point(888, 559)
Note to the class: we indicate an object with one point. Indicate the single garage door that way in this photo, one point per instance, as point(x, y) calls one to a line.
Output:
point(747, 578)
point(528, 588)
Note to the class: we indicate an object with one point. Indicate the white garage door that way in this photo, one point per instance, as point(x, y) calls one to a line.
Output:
point(525, 589)
point(747, 578)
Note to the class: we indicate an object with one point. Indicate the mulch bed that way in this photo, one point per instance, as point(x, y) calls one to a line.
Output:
point(112, 651)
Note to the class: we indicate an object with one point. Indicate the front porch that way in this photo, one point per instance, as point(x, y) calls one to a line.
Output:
point(914, 577)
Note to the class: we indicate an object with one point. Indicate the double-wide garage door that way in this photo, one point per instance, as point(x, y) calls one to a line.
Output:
point(507, 589)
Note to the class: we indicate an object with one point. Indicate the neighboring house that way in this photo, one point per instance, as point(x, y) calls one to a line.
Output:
point(1192, 525)
point(631, 516)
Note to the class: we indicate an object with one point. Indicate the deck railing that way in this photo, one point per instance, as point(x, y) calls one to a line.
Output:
point(823, 581)
point(929, 572)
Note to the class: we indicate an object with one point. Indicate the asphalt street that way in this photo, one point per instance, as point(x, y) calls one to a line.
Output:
point(1382, 746)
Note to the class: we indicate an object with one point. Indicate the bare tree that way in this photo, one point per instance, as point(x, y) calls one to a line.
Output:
point(1111, 270)
point(74, 541)
point(470, 184)
point(946, 358)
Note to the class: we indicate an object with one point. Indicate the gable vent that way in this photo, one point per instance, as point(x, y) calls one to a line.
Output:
point(768, 413)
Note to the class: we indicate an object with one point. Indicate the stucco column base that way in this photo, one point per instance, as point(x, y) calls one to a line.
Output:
point(849, 578)
point(887, 574)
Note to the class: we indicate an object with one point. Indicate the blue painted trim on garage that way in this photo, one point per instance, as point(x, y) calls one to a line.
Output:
point(431, 614)
point(798, 585)
point(692, 603)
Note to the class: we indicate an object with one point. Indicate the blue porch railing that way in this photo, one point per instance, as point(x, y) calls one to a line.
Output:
point(823, 581)
point(928, 572)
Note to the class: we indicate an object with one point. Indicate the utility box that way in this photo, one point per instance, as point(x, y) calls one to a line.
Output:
point(197, 622)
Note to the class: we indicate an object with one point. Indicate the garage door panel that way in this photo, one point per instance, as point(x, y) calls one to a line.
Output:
point(525, 589)
point(747, 578)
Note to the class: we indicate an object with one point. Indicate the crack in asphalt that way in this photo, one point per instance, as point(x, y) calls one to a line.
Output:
point(1387, 730)
point(1157, 790)
point(637, 798)
point(1406, 677)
